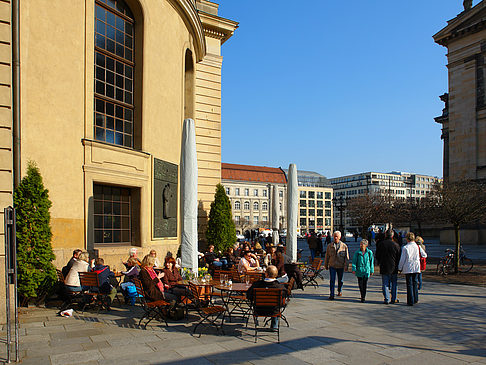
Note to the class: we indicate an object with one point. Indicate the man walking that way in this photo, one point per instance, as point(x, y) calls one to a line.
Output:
point(336, 261)
point(387, 256)
point(313, 243)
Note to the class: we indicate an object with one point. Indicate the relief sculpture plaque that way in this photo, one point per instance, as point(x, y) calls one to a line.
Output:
point(165, 198)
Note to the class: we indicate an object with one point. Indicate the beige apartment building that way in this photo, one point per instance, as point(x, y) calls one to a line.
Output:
point(315, 203)
point(463, 118)
point(105, 87)
point(251, 193)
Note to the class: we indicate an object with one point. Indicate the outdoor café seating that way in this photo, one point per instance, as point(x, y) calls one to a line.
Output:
point(267, 303)
point(152, 309)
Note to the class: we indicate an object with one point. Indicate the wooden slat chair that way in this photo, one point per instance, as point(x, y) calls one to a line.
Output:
point(152, 309)
point(92, 295)
point(206, 311)
point(268, 303)
point(311, 273)
point(252, 276)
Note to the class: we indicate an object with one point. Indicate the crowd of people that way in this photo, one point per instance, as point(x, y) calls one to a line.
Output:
point(391, 257)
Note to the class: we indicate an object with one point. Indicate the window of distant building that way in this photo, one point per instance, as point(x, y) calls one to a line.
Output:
point(237, 191)
point(265, 193)
point(312, 195)
point(303, 212)
point(246, 205)
point(255, 220)
point(303, 221)
point(227, 191)
point(255, 192)
point(237, 205)
point(237, 219)
point(255, 206)
point(265, 218)
point(247, 192)
point(319, 195)
point(303, 194)
point(114, 84)
point(303, 203)
point(264, 206)
point(327, 195)
point(280, 193)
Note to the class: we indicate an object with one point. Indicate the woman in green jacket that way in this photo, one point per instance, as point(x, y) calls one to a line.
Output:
point(363, 267)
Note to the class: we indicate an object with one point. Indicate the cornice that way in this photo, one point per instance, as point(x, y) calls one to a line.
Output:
point(189, 14)
point(217, 27)
point(456, 29)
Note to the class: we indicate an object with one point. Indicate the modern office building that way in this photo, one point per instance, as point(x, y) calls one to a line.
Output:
point(105, 88)
point(315, 202)
point(395, 184)
point(463, 118)
point(251, 192)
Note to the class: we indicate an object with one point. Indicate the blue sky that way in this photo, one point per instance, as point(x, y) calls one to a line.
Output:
point(336, 87)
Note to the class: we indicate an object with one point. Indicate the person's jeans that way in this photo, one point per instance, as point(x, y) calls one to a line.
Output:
point(419, 278)
point(412, 288)
point(332, 275)
point(363, 283)
point(217, 263)
point(274, 323)
point(313, 253)
point(389, 283)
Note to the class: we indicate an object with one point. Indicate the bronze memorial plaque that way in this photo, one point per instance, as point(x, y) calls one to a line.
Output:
point(165, 199)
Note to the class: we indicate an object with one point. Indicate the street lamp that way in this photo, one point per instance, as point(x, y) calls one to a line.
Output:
point(340, 205)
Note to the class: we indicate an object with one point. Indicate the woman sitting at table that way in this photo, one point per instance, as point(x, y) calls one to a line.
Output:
point(248, 262)
point(153, 287)
point(172, 279)
point(72, 279)
point(133, 269)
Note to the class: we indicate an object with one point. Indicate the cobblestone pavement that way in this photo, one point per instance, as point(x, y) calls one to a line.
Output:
point(447, 326)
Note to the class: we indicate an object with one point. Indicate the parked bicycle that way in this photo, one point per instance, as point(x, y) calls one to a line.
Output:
point(446, 263)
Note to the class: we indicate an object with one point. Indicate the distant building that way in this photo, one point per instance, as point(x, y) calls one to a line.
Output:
point(397, 185)
point(315, 202)
point(250, 190)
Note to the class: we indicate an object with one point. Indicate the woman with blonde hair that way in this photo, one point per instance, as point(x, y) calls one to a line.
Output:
point(423, 259)
point(151, 281)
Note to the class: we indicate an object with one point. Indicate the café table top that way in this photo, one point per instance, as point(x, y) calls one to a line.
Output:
point(199, 282)
point(240, 287)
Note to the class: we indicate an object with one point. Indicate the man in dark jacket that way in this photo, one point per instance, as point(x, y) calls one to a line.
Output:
point(313, 243)
point(270, 281)
point(105, 278)
point(388, 256)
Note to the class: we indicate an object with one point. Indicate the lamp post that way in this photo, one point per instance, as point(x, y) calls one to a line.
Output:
point(340, 205)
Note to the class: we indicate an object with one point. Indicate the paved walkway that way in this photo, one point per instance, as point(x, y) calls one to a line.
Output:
point(448, 326)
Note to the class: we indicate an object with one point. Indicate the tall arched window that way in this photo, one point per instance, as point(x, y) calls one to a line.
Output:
point(255, 206)
point(264, 206)
point(237, 205)
point(114, 73)
point(246, 206)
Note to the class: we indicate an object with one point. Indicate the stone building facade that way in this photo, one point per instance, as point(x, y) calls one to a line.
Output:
point(463, 118)
point(106, 85)
point(251, 193)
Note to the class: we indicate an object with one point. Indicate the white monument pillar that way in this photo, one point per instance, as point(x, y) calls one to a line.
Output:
point(189, 249)
point(275, 215)
point(292, 216)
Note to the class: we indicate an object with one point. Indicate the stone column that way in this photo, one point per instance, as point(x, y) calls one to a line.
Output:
point(292, 216)
point(189, 196)
point(275, 214)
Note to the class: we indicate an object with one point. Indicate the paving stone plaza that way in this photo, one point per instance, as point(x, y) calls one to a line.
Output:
point(448, 326)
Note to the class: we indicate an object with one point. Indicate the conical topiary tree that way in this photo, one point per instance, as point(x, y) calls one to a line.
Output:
point(221, 229)
point(35, 270)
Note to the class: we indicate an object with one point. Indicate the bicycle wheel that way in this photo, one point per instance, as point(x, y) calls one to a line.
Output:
point(448, 267)
point(465, 265)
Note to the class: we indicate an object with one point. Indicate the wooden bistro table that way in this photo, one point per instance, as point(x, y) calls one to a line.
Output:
point(204, 288)
point(234, 295)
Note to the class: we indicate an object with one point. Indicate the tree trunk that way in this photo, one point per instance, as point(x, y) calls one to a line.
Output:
point(419, 228)
point(458, 248)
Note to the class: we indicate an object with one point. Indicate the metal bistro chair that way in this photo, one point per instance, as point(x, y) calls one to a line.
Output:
point(311, 273)
point(206, 310)
point(286, 300)
point(268, 303)
point(152, 310)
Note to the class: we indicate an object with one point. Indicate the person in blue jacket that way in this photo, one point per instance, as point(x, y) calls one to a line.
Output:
point(363, 266)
